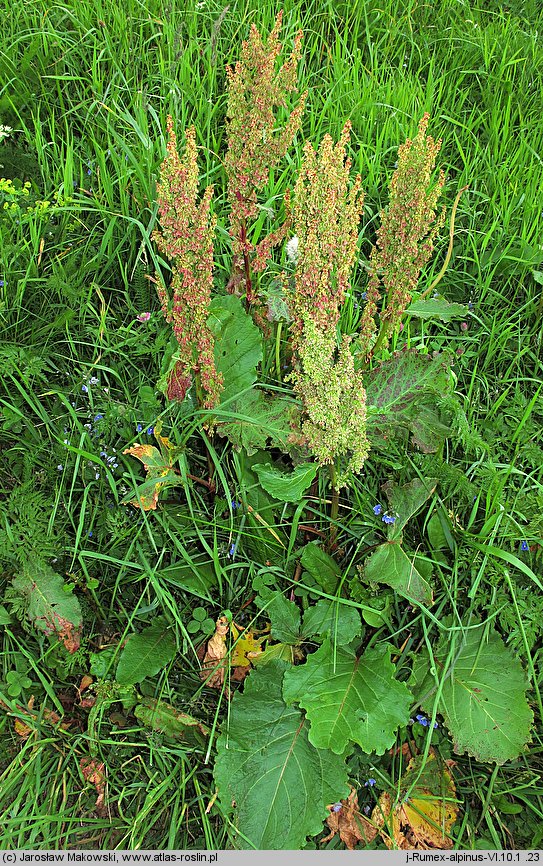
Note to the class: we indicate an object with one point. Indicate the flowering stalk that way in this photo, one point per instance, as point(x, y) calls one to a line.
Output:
point(256, 145)
point(186, 238)
point(326, 214)
point(405, 239)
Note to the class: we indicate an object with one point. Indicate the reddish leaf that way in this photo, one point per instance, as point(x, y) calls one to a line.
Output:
point(94, 773)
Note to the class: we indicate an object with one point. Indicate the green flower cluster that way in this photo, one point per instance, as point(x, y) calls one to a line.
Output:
point(326, 214)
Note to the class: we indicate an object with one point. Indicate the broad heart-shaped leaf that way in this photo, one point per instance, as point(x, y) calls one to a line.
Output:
point(162, 717)
point(146, 653)
point(321, 567)
point(406, 500)
point(286, 486)
point(397, 386)
point(284, 615)
point(259, 418)
point(340, 622)
point(279, 782)
point(238, 344)
point(389, 564)
point(436, 308)
point(47, 606)
point(349, 699)
point(483, 699)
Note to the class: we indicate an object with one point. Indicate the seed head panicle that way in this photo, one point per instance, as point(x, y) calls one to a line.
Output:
point(256, 89)
point(405, 238)
point(186, 238)
point(326, 213)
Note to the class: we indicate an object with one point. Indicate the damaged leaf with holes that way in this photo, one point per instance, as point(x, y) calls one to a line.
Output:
point(41, 594)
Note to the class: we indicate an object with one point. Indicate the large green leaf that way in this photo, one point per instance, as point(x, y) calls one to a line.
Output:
point(406, 500)
point(397, 388)
point(389, 564)
point(238, 344)
point(436, 308)
point(483, 698)
point(48, 607)
point(146, 653)
point(340, 622)
point(286, 486)
point(279, 782)
point(349, 699)
point(322, 567)
point(284, 615)
point(259, 418)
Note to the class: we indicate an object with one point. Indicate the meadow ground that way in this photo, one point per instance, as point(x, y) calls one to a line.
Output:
point(86, 88)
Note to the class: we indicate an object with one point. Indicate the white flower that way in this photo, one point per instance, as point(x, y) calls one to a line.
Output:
point(292, 249)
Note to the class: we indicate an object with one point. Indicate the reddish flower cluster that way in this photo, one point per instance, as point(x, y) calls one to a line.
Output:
point(326, 214)
point(255, 144)
point(186, 238)
point(405, 239)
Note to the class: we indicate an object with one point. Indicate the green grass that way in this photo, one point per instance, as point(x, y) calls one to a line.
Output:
point(86, 88)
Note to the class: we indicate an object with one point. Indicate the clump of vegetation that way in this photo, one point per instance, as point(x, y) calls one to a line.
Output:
point(269, 499)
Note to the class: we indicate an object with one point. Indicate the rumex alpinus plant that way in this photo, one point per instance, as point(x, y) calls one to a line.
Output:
point(326, 214)
point(405, 238)
point(186, 239)
point(293, 726)
point(255, 146)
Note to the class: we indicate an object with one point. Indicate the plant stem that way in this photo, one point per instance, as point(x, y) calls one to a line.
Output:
point(334, 507)
point(278, 351)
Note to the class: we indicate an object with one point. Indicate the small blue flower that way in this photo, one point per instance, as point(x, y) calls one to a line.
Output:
point(93, 380)
point(84, 389)
point(150, 431)
point(370, 783)
point(139, 428)
point(232, 550)
point(524, 545)
point(98, 417)
point(235, 504)
point(389, 519)
point(2, 283)
point(363, 296)
point(422, 720)
point(337, 807)
point(90, 533)
point(60, 467)
point(377, 509)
